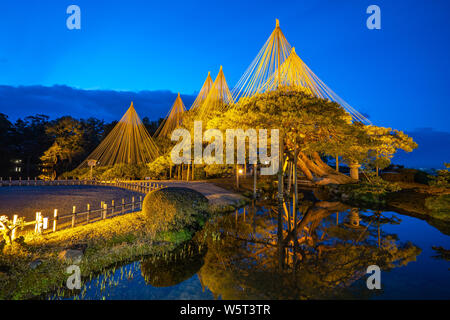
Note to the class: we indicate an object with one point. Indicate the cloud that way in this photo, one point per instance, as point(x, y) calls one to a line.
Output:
point(432, 152)
point(59, 100)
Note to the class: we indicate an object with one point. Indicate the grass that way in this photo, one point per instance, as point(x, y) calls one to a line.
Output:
point(108, 242)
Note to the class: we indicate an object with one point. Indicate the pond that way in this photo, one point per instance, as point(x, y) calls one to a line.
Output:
point(259, 252)
point(27, 200)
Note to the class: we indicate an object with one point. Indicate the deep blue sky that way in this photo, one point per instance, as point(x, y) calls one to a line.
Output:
point(398, 75)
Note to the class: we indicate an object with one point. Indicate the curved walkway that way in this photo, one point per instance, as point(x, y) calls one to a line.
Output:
point(216, 195)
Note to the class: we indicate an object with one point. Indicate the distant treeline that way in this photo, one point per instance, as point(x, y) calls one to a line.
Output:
point(65, 140)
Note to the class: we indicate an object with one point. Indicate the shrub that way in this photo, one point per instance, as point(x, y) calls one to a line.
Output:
point(442, 179)
point(371, 183)
point(175, 209)
point(370, 190)
point(159, 169)
point(124, 171)
point(218, 170)
point(406, 175)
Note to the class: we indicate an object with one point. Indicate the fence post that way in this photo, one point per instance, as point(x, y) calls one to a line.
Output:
point(88, 212)
point(37, 225)
point(73, 216)
point(105, 206)
point(112, 207)
point(36, 222)
point(140, 202)
point(40, 223)
point(132, 204)
point(55, 217)
point(13, 235)
point(123, 206)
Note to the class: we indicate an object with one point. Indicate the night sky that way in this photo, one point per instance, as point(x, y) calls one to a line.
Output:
point(148, 51)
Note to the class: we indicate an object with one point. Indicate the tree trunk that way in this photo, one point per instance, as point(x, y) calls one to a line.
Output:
point(280, 172)
point(316, 166)
point(313, 168)
point(280, 201)
point(288, 191)
point(304, 168)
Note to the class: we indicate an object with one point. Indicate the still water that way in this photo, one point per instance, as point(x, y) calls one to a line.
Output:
point(258, 253)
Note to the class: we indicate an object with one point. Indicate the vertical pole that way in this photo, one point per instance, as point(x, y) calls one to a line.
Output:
point(123, 206)
point(255, 172)
point(40, 222)
point(36, 222)
point(279, 47)
point(13, 235)
point(193, 171)
point(188, 172)
point(55, 218)
point(132, 204)
point(295, 187)
point(88, 212)
point(237, 177)
point(73, 216)
point(112, 207)
point(140, 202)
point(280, 204)
point(105, 211)
point(280, 171)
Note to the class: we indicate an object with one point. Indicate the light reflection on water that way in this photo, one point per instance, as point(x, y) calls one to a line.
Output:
point(260, 253)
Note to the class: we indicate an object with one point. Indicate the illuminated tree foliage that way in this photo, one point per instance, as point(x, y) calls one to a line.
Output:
point(317, 127)
point(67, 135)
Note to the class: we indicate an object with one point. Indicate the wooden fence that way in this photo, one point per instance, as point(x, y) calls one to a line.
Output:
point(75, 218)
point(142, 186)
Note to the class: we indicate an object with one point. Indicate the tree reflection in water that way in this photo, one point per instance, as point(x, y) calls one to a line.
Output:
point(262, 253)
